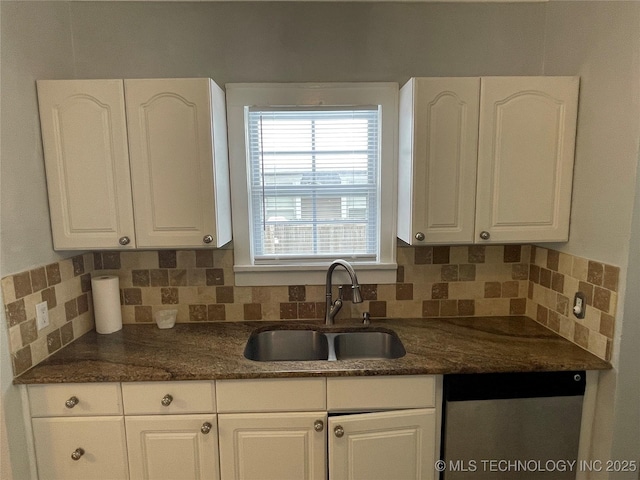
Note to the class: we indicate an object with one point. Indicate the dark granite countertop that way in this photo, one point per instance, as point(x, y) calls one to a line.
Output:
point(210, 351)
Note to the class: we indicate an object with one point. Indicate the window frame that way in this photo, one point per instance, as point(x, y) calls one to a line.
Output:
point(242, 95)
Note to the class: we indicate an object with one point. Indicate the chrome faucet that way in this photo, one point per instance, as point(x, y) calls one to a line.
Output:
point(333, 307)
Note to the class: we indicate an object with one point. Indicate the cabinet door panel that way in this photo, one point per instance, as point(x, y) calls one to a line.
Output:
point(87, 162)
point(172, 447)
point(397, 445)
point(276, 446)
point(447, 131)
point(102, 440)
point(525, 157)
point(438, 172)
point(170, 142)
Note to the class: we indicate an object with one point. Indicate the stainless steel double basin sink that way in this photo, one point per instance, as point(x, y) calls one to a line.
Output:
point(273, 345)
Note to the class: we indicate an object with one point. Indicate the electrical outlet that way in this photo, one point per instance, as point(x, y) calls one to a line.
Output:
point(42, 315)
point(579, 305)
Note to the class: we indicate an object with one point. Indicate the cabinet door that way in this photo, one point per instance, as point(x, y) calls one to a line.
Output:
point(87, 162)
point(97, 445)
point(273, 446)
point(172, 447)
point(174, 154)
point(398, 445)
point(438, 158)
point(525, 158)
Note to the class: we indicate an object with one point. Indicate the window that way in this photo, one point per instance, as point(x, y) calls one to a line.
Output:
point(313, 182)
point(313, 179)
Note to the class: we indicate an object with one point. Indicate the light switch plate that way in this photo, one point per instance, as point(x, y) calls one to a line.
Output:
point(42, 315)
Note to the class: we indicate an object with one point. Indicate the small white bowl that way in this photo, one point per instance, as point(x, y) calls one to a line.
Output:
point(165, 318)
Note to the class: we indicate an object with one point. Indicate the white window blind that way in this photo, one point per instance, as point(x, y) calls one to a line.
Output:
point(314, 187)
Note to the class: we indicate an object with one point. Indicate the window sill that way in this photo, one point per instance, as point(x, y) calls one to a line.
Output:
point(269, 275)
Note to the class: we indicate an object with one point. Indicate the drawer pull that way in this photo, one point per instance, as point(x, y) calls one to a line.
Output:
point(72, 402)
point(338, 431)
point(77, 453)
point(206, 427)
point(166, 400)
point(318, 425)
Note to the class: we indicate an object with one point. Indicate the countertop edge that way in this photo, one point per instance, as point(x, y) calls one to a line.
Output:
point(468, 349)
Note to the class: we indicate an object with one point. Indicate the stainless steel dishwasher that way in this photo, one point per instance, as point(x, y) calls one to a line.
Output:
point(511, 425)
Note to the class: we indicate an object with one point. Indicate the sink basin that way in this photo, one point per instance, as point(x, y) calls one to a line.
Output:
point(371, 345)
point(287, 345)
point(306, 344)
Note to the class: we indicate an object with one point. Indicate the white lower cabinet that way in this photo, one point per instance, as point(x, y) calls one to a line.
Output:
point(298, 445)
point(258, 440)
point(87, 448)
point(273, 446)
point(78, 431)
point(172, 447)
point(384, 446)
point(172, 430)
point(356, 428)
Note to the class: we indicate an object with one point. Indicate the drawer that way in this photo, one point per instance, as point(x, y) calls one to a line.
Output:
point(158, 398)
point(380, 393)
point(98, 443)
point(271, 395)
point(75, 399)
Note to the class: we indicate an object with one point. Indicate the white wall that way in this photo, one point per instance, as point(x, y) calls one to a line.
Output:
point(600, 41)
point(626, 421)
point(297, 42)
point(35, 42)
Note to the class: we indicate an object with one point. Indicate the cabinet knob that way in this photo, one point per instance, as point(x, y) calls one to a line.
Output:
point(166, 400)
point(207, 239)
point(124, 241)
point(338, 431)
point(484, 235)
point(318, 425)
point(72, 402)
point(77, 453)
point(420, 236)
point(206, 427)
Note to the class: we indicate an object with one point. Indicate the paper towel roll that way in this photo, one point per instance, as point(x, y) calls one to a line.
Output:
point(106, 303)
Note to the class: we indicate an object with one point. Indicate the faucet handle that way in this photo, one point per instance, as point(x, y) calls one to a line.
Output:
point(340, 293)
point(366, 318)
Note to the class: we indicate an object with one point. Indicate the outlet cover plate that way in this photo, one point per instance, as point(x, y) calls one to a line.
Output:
point(42, 315)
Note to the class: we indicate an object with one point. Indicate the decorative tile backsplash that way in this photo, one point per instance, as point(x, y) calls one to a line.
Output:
point(65, 286)
point(555, 277)
point(431, 281)
point(441, 281)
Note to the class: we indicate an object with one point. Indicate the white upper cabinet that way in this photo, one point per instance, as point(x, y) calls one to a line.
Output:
point(179, 168)
point(525, 158)
point(438, 158)
point(147, 152)
point(486, 160)
point(84, 134)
